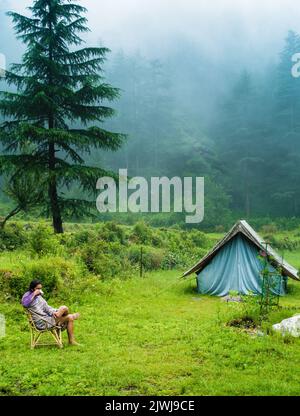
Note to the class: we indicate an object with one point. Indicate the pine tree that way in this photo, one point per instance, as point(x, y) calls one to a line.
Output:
point(58, 85)
point(239, 136)
point(287, 93)
point(285, 152)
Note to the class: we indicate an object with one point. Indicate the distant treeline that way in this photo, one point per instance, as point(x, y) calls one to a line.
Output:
point(241, 131)
point(245, 141)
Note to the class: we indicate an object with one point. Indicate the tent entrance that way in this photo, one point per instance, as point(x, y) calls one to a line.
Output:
point(236, 267)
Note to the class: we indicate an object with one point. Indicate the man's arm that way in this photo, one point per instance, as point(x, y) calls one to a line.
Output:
point(48, 309)
point(27, 299)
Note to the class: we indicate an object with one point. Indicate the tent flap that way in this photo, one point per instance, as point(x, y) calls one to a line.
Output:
point(236, 267)
point(243, 228)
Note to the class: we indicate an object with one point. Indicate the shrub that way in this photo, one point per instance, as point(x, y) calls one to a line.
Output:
point(198, 238)
point(83, 236)
point(54, 273)
point(12, 237)
point(112, 232)
point(181, 259)
point(269, 229)
point(105, 259)
point(285, 243)
point(42, 241)
point(152, 258)
point(244, 314)
point(44, 271)
point(143, 234)
point(66, 240)
point(5, 277)
point(178, 242)
point(171, 261)
point(111, 267)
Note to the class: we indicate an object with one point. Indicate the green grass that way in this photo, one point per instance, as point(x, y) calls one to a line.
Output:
point(293, 257)
point(151, 336)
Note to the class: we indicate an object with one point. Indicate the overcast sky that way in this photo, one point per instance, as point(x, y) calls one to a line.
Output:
point(252, 29)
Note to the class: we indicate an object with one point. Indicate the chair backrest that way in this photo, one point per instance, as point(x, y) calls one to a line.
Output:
point(30, 319)
point(32, 324)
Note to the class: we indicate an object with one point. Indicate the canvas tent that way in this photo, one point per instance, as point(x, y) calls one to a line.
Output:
point(234, 264)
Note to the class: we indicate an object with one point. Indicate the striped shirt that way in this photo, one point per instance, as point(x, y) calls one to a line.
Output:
point(38, 305)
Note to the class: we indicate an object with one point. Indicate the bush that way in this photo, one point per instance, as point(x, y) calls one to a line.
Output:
point(83, 236)
point(112, 232)
point(143, 234)
point(285, 243)
point(44, 271)
point(152, 258)
point(269, 229)
point(5, 277)
point(12, 237)
point(105, 259)
point(54, 273)
point(66, 240)
point(42, 241)
point(198, 238)
point(243, 314)
point(181, 259)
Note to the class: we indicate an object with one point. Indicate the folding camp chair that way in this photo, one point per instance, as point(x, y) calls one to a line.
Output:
point(54, 331)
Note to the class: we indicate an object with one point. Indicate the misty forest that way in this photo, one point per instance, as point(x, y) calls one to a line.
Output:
point(187, 114)
point(155, 305)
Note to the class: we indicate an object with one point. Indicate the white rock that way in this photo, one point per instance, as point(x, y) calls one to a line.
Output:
point(289, 326)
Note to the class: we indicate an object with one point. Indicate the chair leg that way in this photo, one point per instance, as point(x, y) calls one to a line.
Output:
point(57, 336)
point(34, 339)
point(31, 339)
point(60, 339)
point(35, 336)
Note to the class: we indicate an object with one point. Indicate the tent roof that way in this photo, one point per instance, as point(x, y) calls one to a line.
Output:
point(244, 228)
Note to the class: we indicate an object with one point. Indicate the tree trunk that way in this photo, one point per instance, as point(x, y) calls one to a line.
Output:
point(53, 196)
point(52, 191)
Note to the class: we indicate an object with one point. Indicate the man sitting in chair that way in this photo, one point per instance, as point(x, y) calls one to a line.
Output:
point(33, 301)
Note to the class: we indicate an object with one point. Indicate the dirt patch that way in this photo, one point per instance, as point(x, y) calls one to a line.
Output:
point(246, 322)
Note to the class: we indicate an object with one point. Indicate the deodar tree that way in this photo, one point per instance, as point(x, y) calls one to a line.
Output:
point(58, 87)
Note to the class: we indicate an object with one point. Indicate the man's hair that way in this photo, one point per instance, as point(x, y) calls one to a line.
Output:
point(34, 284)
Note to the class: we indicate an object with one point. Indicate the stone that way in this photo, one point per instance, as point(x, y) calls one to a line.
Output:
point(232, 298)
point(289, 326)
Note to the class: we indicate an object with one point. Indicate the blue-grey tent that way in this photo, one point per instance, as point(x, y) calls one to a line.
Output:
point(235, 264)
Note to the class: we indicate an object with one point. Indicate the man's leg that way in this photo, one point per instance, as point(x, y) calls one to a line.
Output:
point(62, 311)
point(69, 320)
point(70, 330)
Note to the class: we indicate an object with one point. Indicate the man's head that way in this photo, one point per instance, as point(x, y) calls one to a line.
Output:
point(35, 284)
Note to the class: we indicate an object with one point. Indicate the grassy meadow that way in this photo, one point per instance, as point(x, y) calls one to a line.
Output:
point(150, 335)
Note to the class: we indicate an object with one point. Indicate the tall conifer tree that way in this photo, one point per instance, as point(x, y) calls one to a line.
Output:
point(58, 85)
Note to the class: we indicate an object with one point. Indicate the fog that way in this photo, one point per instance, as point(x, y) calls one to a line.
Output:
point(206, 89)
point(250, 31)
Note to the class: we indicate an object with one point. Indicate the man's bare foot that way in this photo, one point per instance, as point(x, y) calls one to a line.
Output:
point(74, 343)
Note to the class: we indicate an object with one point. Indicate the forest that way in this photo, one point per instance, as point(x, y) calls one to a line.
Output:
point(247, 148)
point(175, 119)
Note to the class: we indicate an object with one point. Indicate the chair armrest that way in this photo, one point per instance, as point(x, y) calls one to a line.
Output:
point(42, 318)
